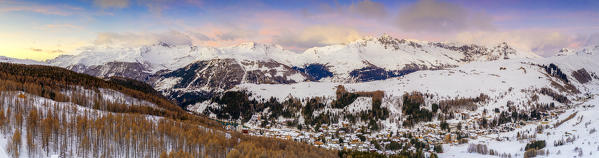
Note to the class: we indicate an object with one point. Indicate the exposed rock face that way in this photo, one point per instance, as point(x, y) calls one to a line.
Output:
point(476, 52)
point(131, 70)
point(190, 74)
point(200, 80)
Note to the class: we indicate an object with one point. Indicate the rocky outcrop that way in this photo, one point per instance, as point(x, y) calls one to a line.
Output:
point(200, 80)
point(130, 70)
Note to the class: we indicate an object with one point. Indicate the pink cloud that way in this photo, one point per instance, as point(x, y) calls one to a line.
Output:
point(62, 10)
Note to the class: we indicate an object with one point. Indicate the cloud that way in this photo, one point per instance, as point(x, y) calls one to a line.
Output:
point(586, 40)
point(156, 7)
point(368, 8)
point(36, 49)
point(11, 6)
point(435, 16)
point(61, 27)
point(235, 34)
point(57, 51)
point(111, 3)
point(317, 36)
point(199, 36)
point(140, 39)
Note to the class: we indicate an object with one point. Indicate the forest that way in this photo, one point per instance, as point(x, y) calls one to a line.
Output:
point(48, 111)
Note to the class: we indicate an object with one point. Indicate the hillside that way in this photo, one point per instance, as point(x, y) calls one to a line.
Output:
point(209, 71)
point(383, 95)
point(469, 101)
point(346, 62)
point(50, 111)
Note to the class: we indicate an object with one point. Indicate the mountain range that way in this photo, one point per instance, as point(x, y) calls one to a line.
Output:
point(370, 87)
point(200, 72)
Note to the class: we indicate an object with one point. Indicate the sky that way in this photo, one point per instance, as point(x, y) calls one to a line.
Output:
point(45, 29)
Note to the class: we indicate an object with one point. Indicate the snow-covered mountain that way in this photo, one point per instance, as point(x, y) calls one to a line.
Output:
point(355, 61)
point(163, 56)
point(49, 112)
point(215, 70)
point(366, 59)
point(522, 85)
point(200, 80)
point(383, 83)
point(469, 80)
point(503, 104)
point(390, 56)
point(362, 60)
point(4, 59)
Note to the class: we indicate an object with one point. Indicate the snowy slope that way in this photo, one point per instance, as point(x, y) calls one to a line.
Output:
point(20, 61)
point(467, 81)
point(395, 54)
point(383, 52)
point(15, 99)
point(163, 56)
point(581, 130)
point(504, 81)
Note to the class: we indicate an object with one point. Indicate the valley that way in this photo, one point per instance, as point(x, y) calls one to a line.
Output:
point(445, 109)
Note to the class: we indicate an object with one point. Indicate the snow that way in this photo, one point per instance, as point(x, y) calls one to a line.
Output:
point(201, 106)
point(20, 61)
point(361, 104)
point(297, 77)
point(357, 54)
point(159, 57)
point(504, 81)
point(166, 83)
point(580, 127)
point(10, 99)
point(467, 81)
point(492, 78)
point(342, 58)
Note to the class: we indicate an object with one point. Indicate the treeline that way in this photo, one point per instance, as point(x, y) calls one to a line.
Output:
point(372, 116)
point(49, 82)
point(100, 127)
point(411, 107)
point(134, 85)
point(68, 130)
point(344, 98)
point(451, 105)
point(556, 96)
point(240, 106)
point(555, 71)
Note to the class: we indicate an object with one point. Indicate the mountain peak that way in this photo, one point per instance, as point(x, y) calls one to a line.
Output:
point(164, 44)
point(564, 52)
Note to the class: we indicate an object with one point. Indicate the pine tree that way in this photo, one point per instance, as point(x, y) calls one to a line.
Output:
point(13, 147)
point(31, 148)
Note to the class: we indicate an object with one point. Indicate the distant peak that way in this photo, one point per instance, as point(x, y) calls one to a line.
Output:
point(254, 45)
point(386, 36)
point(250, 44)
point(164, 44)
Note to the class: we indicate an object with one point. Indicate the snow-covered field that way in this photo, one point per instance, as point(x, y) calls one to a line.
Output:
point(503, 81)
point(469, 80)
point(15, 100)
point(581, 129)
